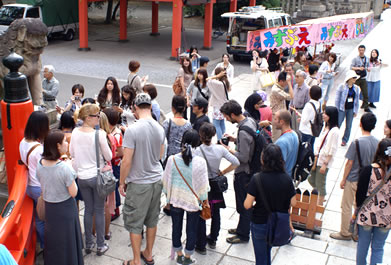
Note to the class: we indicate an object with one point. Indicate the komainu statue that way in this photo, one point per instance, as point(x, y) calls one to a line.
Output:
point(28, 38)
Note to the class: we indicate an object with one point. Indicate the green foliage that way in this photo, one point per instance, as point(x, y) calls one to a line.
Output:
point(198, 10)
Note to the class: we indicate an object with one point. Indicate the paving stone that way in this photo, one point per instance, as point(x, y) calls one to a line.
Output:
point(339, 261)
point(331, 220)
point(307, 243)
point(93, 259)
point(243, 251)
point(119, 243)
point(334, 203)
point(228, 260)
point(298, 256)
point(338, 250)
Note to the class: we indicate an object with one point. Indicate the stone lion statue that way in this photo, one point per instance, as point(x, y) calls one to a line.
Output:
point(28, 38)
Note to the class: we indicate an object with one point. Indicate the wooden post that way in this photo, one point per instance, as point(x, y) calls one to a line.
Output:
point(177, 6)
point(295, 211)
point(312, 210)
point(208, 26)
point(83, 26)
point(305, 198)
point(155, 19)
point(123, 20)
point(233, 6)
point(253, 2)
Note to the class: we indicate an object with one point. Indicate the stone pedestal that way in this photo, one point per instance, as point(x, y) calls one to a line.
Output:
point(312, 9)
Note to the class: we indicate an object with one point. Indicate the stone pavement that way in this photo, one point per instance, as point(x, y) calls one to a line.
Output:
point(320, 250)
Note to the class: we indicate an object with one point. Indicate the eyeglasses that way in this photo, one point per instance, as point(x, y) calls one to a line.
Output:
point(96, 115)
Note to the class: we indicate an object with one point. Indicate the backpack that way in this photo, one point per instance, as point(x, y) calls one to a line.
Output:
point(259, 144)
point(305, 161)
point(317, 125)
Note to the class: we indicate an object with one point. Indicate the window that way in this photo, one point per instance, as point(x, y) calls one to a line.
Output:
point(271, 24)
point(277, 22)
point(33, 12)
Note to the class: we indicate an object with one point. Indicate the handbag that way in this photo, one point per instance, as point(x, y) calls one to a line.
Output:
point(205, 212)
point(267, 79)
point(177, 87)
point(353, 227)
point(218, 183)
point(278, 231)
point(106, 181)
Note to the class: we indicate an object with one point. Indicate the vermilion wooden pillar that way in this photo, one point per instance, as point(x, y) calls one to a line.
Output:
point(177, 6)
point(155, 19)
point(83, 26)
point(123, 20)
point(253, 2)
point(208, 25)
point(233, 6)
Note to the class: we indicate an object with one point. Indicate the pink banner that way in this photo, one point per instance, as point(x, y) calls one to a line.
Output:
point(281, 37)
point(334, 31)
point(364, 25)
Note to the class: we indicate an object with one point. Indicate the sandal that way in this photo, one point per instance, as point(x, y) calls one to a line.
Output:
point(108, 236)
point(148, 262)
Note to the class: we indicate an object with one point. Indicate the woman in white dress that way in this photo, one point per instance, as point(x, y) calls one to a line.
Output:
point(259, 66)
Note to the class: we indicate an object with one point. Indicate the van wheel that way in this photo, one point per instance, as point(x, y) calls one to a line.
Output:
point(236, 58)
point(70, 35)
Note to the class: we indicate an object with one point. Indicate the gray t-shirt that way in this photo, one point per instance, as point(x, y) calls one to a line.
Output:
point(368, 146)
point(146, 138)
point(55, 181)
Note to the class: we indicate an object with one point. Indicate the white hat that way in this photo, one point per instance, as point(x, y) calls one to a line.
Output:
point(351, 74)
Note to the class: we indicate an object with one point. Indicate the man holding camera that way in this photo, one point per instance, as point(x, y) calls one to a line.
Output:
point(232, 112)
point(360, 65)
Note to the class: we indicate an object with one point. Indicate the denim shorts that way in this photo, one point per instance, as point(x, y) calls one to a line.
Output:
point(142, 206)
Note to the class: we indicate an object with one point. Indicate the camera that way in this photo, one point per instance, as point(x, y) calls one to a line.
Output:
point(224, 141)
point(77, 98)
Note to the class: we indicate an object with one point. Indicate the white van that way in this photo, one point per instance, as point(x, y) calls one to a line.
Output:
point(249, 19)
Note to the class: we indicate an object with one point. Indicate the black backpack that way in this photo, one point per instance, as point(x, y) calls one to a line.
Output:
point(259, 144)
point(317, 125)
point(305, 161)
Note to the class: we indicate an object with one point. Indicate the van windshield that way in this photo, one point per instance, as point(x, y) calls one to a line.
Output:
point(241, 26)
point(9, 13)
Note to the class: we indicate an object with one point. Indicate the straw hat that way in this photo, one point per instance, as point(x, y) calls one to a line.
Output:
point(351, 74)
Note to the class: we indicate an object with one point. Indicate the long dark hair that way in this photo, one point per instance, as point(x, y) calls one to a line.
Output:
point(132, 94)
point(116, 98)
point(50, 148)
point(272, 159)
point(380, 156)
point(298, 57)
point(37, 127)
point(253, 99)
point(207, 131)
point(67, 121)
point(178, 103)
point(189, 69)
point(190, 139)
point(223, 78)
point(374, 59)
point(204, 73)
point(332, 112)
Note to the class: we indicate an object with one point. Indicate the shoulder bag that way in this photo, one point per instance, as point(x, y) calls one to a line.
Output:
point(317, 124)
point(177, 87)
point(267, 79)
point(131, 82)
point(320, 148)
point(360, 165)
point(205, 212)
point(225, 89)
point(202, 93)
point(40, 207)
point(278, 231)
point(106, 182)
point(218, 183)
point(353, 228)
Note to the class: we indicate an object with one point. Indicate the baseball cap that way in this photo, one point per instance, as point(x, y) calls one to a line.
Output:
point(142, 98)
point(203, 60)
point(201, 102)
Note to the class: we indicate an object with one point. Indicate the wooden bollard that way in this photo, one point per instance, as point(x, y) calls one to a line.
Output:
point(305, 198)
point(312, 210)
point(295, 210)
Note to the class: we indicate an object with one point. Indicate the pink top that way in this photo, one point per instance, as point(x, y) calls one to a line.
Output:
point(266, 113)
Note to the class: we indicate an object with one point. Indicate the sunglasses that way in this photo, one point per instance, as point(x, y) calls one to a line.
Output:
point(96, 115)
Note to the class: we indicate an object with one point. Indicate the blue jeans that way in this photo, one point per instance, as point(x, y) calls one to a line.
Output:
point(241, 181)
point(376, 236)
point(327, 85)
point(34, 192)
point(348, 113)
point(116, 172)
point(220, 128)
point(261, 249)
point(191, 229)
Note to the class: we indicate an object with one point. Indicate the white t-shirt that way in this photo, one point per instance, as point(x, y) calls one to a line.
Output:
point(82, 149)
point(308, 116)
point(35, 156)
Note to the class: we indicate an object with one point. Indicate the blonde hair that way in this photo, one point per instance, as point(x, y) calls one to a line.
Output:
point(86, 110)
point(104, 123)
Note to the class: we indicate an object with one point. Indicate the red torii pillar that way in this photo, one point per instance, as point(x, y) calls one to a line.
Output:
point(253, 2)
point(233, 5)
point(83, 26)
point(177, 6)
point(155, 19)
point(123, 20)
point(208, 21)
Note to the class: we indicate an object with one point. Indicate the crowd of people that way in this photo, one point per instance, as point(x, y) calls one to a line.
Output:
point(178, 156)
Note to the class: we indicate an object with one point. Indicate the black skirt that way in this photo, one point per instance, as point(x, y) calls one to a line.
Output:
point(63, 239)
